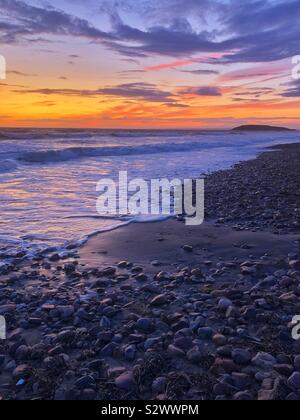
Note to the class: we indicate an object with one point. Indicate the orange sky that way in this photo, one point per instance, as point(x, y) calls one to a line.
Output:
point(69, 81)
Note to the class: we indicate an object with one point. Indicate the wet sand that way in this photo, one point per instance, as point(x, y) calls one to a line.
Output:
point(163, 243)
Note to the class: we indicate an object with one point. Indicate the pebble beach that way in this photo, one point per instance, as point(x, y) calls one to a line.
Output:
point(161, 311)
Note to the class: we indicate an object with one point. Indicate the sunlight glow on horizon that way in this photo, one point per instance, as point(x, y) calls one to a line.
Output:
point(135, 75)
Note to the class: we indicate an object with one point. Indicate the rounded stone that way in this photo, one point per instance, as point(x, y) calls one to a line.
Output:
point(241, 356)
point(294, 381)
point(144, 325)
point(219, 340)
point(224, 304)
point(205, 333)
point(126, 382)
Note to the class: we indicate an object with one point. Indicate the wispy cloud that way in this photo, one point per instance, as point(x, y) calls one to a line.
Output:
point(252, 31)
point(30, 21)
point(202, 91)
point(140, 91)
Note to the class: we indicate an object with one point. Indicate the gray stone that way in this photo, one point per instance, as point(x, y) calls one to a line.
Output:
point(195, 355)
point(294, 381)
point(224, 304)
point(144, 325)
point(175, 351)
point(241, 356)
point(264, 361)
point(85, 382)
point(159, 300)
point(205, 333)
point(130, 353)
point(297, 363)
point(126, 382)
point(105, 323)
point(159, 385)
point(65, 312)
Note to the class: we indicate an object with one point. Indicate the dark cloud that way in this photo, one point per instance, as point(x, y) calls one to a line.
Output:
point(248, 31)
point(140, 91)
point(143, 91)
point(31, 21)
point(200, 72)
point(202, 91)
point(236, 32)
point(176, 105)
point(20, 73)
point(293, 90)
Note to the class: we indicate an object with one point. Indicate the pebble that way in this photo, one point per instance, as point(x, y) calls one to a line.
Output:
point(159, 385)
point(219, 340)
point(130, 353)
point(65, 312)
point(295, 264)
point(105, 323)
point(188, 248)
point(297, 363)
point(20, 372)
point(126, 381)
point(175, 351)
point(144, 325)
point(22, 352)
point(151, 343)
point(195, 355)
point(159, 300)
point(205, 333)
point(294, 381)
point(183, 343)
point(243, 396)
point(224, 304)
point(85, 382)
point(241, 356)
point(264, 361)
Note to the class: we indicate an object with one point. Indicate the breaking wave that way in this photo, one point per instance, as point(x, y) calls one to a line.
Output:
point(52, 156)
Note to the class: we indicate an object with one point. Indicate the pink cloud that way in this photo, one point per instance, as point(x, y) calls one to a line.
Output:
point(253, 72)
point(208, 59)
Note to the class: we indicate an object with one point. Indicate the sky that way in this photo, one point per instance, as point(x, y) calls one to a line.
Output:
point(149, 63)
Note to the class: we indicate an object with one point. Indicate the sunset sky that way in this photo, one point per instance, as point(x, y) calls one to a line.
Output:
point(149, 64)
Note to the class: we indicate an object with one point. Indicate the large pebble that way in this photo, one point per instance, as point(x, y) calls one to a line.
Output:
point(241, 356)
point(264, 361)
point(294, 381)
point(144, 325)
point(126, 382)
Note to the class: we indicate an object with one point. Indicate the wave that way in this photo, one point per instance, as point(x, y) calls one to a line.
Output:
point(52, 156)
point(8, 165)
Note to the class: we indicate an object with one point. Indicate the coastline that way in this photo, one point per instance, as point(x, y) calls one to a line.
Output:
point(163, 311)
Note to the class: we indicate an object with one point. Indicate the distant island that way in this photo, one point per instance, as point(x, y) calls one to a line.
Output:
point(260, 128)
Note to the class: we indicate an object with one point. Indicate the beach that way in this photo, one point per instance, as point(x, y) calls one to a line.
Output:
point(162, 311)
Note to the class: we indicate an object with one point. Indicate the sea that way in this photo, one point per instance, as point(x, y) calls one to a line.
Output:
point(48, 177)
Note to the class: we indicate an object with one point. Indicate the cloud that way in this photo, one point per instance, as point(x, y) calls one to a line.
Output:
point(31, 21)
point(139, 91)
point(200, 72)
point(249, 31)
point(20, 73)
point(176, 105)
point(231, 31)
point(202, 91)
point(293, 91)
point(142, 91)
point(254, 72)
